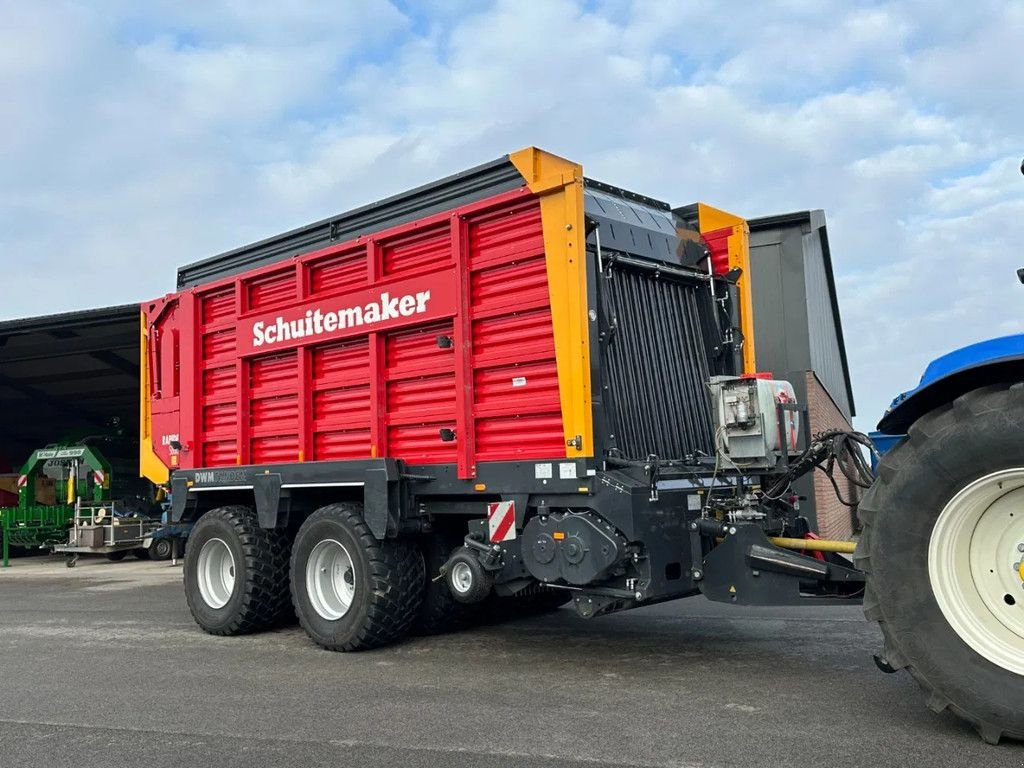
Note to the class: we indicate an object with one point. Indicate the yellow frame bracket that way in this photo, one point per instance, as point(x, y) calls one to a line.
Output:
point(150, 465)
point(712, 219)
point(559, 185)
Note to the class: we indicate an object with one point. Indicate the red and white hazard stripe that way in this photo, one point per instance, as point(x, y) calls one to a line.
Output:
point(22, 481)
point(501, 521)
point(98, 476)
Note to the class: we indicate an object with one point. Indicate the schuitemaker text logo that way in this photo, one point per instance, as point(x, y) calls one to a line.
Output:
point(318, 322)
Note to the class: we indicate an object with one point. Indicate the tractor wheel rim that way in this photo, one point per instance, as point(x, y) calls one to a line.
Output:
point(216, 570)
point(975, 558)
point(462, 578)
point(330, 579)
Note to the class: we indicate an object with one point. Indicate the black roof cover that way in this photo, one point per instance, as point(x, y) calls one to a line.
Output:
point(444, 194)
point(629, 222)
point(67, 376)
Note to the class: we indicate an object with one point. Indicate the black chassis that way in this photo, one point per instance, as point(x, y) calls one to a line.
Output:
point(673, 549)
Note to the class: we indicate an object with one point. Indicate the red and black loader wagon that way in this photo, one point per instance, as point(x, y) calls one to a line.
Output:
point(515, 383)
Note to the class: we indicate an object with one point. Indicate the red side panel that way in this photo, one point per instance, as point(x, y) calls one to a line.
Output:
point(217, 437)
point(718, 244)
point(431, 342)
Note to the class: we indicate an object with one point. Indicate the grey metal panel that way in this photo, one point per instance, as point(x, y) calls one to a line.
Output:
point(780, 309)
point(797, 325)
point(823, 337)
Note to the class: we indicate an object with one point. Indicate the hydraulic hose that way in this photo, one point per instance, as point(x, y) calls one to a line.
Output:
point(814, 545)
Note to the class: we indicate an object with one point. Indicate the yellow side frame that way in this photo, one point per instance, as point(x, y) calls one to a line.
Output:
point(559, 185)
point(150, 465)
point(711, 219)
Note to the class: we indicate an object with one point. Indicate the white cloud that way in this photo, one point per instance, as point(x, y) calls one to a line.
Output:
point(137, 138)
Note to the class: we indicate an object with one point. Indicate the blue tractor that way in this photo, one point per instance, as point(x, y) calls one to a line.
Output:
point(943, 535)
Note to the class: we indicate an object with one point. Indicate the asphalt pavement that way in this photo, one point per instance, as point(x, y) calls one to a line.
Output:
point(102, 665)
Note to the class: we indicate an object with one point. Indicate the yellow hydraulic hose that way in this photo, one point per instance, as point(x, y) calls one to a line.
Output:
point(814, 545)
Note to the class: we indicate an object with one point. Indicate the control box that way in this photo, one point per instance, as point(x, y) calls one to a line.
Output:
point(749, 433)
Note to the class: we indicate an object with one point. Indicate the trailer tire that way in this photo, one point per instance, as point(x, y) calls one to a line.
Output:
point(350, 591)
point(254, 594)
point(117, 557)
point(161, 549)
point(440, 612)
point(905, 514)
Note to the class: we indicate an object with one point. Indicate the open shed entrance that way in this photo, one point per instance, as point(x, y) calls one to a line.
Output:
point(68, 378)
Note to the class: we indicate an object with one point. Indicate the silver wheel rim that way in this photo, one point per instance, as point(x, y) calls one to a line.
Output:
point(975, 558)
point(216, 569)
point(330, 579)
point(462, 578)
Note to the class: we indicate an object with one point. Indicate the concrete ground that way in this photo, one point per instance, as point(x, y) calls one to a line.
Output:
point(102, 665)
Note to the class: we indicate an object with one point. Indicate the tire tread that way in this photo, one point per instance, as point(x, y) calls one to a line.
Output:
point(397, 572)
point(969, 405)
point(266, 552)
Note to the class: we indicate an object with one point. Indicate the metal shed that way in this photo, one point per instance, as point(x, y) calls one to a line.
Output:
point(68, 376)
point(798, 336)
point(797, 325)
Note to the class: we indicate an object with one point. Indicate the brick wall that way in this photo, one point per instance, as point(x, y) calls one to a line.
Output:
point(835, 521)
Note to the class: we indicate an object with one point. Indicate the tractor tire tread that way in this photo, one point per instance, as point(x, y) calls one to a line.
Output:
point(970, 405)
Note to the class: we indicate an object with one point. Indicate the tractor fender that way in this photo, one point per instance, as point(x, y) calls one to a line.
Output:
point(978, 365)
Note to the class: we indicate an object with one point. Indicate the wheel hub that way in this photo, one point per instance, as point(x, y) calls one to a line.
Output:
point(462, 578)
point(976, 566)
point(330, 579)
point(216, 573)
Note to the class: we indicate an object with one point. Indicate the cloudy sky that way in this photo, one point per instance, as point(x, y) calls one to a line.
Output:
point(139, 136)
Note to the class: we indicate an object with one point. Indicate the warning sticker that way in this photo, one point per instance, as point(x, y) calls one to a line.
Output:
point(567, 470)
point(501, 521)
point(542, 471)
point(519, 381)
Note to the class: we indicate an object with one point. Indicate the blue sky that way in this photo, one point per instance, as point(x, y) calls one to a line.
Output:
point(139, 136)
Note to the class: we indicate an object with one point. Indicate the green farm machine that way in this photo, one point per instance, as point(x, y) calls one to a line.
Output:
point(80, 474)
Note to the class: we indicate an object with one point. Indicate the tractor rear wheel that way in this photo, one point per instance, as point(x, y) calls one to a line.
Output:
point(943, 546)
point(350, 591)
point(236, 573)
